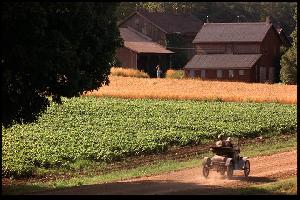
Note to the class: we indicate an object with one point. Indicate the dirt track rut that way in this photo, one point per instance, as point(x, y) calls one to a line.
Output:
point(190, 181)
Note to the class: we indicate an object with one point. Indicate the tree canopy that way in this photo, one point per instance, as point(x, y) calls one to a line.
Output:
point(288, 72)
point(282, 12)
point(53, 50)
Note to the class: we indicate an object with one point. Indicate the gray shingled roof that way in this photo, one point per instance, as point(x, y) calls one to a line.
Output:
point(171, 23)
point(221, 61)
point(140, 43)
point(232, 32)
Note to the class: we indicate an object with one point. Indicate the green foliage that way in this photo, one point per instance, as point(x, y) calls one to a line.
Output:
point(175, 74)
point(174, 42)
point(125, 72)
point(53, 49)
point(282, 12)
point(107, 129)
point(288, 72)
point(281, 187)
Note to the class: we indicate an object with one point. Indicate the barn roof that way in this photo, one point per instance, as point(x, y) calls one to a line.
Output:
point(222, 61)
point(232, 32)
point(171, 23)
point(140, 43)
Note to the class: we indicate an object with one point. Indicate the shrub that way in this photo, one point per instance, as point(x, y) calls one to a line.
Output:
point(175, 74)
point(128, 72)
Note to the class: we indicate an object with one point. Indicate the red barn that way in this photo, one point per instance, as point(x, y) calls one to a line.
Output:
point(157, 28)
point(248, 52)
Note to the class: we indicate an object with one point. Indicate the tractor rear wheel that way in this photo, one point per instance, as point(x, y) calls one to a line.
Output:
point(206, 166)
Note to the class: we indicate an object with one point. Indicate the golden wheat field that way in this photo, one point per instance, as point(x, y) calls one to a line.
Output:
point(195, 89)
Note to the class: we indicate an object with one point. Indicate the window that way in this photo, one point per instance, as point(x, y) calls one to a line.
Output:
point(192, 73)
point(241, 72)
point(219, 73)
point(231, 73)
point(202, 73)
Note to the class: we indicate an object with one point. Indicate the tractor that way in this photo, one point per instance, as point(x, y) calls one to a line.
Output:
point(226, 159)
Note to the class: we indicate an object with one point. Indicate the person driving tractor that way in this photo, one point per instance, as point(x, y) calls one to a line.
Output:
point(224, 143)
point(228, 142)
point(220, 142)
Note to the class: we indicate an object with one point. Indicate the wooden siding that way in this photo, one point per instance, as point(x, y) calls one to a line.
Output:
point(210, 48)
point(231, 48)
point(211, 74)
point(127, 57)
point(246, 48)
point(268, 63)
point(143, 25)
point(270, 48)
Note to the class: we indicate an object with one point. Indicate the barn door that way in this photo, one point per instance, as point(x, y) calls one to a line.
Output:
point(262, 73)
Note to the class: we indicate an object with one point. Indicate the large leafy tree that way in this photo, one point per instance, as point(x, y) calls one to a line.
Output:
point(282, 12)
point(288, 72)
point(53, 50)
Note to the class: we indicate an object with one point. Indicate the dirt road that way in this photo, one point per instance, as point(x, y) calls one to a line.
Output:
point(190, 181)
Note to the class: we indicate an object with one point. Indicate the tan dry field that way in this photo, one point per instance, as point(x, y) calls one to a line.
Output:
point(195, 89)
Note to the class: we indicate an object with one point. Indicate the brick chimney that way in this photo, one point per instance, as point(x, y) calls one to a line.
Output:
point(269, 20)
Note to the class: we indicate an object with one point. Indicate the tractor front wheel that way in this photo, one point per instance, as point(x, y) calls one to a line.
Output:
point(205, 171)
point(230, 170)
point(247, 168)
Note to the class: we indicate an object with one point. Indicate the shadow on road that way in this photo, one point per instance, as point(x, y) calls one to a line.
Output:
point(149, 187)
point(252, 179)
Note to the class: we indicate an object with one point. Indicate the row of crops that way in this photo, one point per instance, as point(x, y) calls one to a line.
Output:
point(107, 129)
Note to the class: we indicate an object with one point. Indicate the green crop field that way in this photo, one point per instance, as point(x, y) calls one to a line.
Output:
point(107, 129)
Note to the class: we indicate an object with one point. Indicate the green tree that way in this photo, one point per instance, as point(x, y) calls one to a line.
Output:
point(175, 41)
point(288, 72)
point(53, 50)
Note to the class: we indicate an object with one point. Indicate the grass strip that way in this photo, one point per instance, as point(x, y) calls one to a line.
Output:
point(281, 187)
point(268, 147)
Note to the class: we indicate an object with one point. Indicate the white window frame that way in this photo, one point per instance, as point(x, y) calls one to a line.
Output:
point(219, 73)
point(241, 72)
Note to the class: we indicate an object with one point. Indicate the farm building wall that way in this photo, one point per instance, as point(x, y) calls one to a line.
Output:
point(243, 75)
point(144, 26)
point(127, 57)
point(230, 48)
point(270, 48)
point(266, 69)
